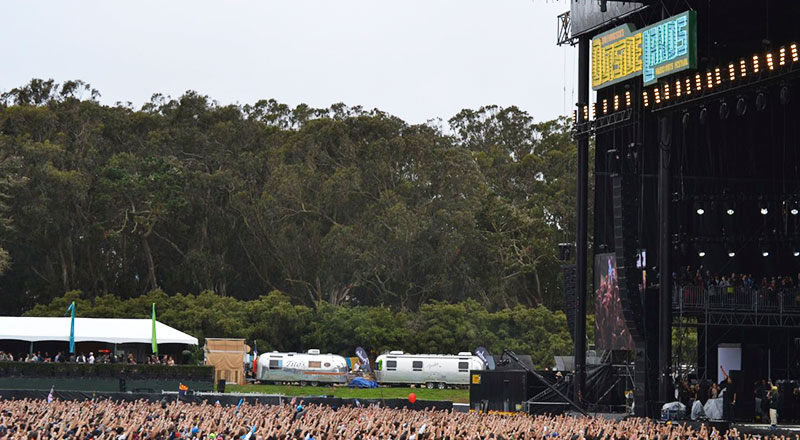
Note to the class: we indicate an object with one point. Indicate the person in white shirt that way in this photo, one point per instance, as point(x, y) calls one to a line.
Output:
point(91, 357)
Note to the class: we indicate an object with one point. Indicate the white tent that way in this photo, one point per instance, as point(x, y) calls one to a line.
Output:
point(109, 330)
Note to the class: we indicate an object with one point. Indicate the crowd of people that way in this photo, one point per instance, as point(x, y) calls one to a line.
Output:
point(702, 277)
point(82, 358)
point(143, 420)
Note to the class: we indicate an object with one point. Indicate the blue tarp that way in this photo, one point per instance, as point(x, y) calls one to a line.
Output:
point(360, 382)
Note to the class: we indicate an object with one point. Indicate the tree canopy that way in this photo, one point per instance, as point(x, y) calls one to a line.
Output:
point(333, 207)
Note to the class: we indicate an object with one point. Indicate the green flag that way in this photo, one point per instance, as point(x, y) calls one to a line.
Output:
point(155, 340)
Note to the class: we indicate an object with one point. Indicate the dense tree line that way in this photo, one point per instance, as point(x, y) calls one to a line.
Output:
point(334, 207)
point(275, 323)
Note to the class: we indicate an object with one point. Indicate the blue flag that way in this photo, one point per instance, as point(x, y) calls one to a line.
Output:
point(239, 405)
point(71, 310)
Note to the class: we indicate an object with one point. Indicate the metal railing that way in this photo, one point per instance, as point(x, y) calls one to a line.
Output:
point(737, 298)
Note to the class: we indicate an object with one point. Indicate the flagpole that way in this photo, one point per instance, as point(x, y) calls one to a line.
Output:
point(71, 309)
point(154, 338)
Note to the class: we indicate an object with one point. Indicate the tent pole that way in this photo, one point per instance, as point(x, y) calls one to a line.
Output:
point(31, 349)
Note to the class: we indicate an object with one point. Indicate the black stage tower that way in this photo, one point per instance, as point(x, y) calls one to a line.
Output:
point(695, 123)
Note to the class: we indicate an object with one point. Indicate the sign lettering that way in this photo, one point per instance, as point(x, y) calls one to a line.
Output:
point(656, 51)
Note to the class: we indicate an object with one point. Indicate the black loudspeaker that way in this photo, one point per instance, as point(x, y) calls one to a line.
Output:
point(221, 386)
point(123, 386)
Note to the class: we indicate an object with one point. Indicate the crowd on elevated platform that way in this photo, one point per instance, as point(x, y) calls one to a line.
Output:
point(82, 358)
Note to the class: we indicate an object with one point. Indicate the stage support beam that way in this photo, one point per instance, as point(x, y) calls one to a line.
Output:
point(581, 244)
point(665, 391)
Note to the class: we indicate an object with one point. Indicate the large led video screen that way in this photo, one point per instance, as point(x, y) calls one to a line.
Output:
point(610, 330)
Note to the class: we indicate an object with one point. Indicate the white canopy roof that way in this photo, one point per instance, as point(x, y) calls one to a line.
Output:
point(109, 330)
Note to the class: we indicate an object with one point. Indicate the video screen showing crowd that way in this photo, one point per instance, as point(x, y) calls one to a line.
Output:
point(611, 332)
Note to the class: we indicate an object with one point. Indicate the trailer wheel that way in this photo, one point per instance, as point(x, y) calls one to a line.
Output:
point(442, 385)
point(429, 385)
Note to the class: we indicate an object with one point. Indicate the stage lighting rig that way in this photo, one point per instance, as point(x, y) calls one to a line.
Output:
point(786, 95)
point(761, 100)
point(741, 106)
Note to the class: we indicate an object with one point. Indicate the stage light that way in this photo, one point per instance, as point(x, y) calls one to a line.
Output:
point(666, 91)
point(741, 106)
point(717, 76)
point(761, 100)
point(796, 253)
point(657, 95)
point(678, 88)
point(724, 111)
point(627, 98)
point(688, 86)
point(763, 208)
point(645, 98)
point(699, 207)
point(755, 64)
point(728, 207)
point(594, 110)
point(742, 68)
point(769, 61)
point(782, 56)
point(786, 95)
point(765, 253)
point(709, 80)
point(574, 116)
point(698, 83)
point(616, 102)
point(731, 72)
point(730, 250)
point(585, 112)
point(701, 253)
point(605, 106)
point(764, 247)
point(794, 207)
point(732, 254)
point(794, 52)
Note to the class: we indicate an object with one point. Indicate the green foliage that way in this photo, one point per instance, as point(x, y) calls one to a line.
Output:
point(275, 324)
point(377, 232)
point(332, 206)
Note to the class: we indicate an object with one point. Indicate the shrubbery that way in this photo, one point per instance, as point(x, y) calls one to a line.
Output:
point(277, 324)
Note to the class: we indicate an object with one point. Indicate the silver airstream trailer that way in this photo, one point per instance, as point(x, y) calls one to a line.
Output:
point(306, 368)
point(431, 370)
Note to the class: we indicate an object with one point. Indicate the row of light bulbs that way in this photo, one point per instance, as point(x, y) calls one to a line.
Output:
point(764, 252)
point(712, 79)
point(689, 85)
point(763, 210)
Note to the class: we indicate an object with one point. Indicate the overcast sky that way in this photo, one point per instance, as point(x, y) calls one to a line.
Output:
point(416, 59)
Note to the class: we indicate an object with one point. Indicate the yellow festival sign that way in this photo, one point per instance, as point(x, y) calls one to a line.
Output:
point(616, 56)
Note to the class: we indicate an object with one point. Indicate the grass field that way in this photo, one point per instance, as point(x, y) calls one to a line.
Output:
point(457, 396)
